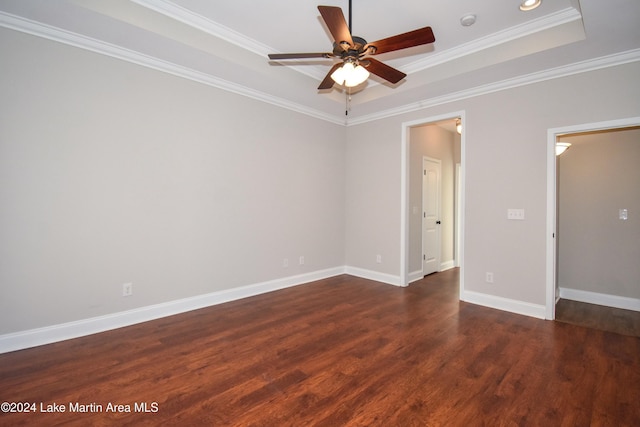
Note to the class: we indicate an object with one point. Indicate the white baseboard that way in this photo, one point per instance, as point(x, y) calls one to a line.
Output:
point(374, 275)
point(447, 265)
point(418, 274)
point(600, 299)
point(49, 334)
point(505, 304)
point(414, 276)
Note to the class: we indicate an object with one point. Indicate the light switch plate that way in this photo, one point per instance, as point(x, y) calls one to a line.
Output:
point(517, 214)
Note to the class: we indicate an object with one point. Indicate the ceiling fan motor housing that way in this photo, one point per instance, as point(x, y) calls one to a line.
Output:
point(354, 51)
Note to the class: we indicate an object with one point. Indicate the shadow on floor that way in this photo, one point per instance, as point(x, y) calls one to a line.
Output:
point(624, 322)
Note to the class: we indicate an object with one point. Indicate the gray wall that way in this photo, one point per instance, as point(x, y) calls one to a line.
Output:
point(598, 176)
point(505, 167)
point(114, 173)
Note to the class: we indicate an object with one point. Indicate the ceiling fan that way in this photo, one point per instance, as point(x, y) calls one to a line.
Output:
point(355, 53)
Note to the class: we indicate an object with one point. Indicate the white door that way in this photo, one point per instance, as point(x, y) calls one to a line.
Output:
point(431, 215)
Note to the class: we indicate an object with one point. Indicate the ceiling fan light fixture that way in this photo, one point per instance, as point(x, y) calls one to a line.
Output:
point(527, 5)
point(350, 74)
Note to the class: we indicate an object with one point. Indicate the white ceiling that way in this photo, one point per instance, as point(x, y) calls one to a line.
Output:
point(225, 44)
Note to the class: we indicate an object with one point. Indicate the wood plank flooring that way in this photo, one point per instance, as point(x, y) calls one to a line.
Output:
point(338, 352)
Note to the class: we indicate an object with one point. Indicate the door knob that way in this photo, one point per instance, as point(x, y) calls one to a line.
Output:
point(437, 222)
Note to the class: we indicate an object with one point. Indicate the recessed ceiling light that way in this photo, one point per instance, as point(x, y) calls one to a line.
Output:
point(468, 20)
point(527, 5)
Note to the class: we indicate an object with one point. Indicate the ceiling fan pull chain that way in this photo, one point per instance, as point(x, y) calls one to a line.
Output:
point(347, 106)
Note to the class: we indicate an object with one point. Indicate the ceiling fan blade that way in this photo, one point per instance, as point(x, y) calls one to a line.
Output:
point(383, 70)
point(277, 56)
point(334, 18)
point(403, 41)
point(328, 82)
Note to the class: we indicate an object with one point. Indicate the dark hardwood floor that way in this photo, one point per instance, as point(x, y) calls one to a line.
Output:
point(625, 322)
point(338, 352)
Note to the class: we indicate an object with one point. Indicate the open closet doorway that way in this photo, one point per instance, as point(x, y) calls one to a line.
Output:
point(592, 249)
point(432, 207)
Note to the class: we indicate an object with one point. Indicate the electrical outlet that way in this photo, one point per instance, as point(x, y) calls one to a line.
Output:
point(301, 260)
point(285, 263)
point(379, 259)
point(489, 277)
point(127, 289)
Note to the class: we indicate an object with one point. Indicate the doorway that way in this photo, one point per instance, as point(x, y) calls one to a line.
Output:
point(553, 287)
point(412, 210)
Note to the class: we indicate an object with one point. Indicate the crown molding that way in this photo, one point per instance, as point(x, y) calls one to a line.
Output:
point(192, 19)
point(179, 13)
point(87, 43)
point(55, 34)
point(607, 61)
point(510, 34)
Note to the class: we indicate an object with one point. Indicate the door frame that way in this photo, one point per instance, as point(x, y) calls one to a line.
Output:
point(552, 136)
point(404, 191)
point(458, 213)
point(426, 159)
